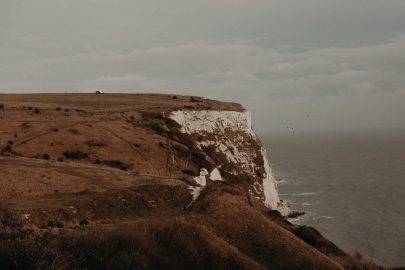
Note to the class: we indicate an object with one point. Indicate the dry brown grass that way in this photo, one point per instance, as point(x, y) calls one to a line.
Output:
point(220, 231)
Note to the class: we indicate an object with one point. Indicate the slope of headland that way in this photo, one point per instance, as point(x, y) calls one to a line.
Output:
point(106, 181)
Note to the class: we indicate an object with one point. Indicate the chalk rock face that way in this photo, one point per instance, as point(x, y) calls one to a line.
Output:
point(227, 138)
point(202, 180)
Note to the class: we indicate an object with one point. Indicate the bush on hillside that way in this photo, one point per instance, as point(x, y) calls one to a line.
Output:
point(74, 155)
point(117, 164)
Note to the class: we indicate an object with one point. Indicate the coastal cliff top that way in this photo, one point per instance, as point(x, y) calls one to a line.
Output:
point(106, 102)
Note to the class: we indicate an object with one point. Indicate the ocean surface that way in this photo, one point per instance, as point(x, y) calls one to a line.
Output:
point(350, 184)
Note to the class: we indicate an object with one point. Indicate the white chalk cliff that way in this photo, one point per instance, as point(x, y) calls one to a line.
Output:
point(227, 137)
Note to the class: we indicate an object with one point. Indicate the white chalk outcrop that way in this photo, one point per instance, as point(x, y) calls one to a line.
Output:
point(230, 135)
point(215, 175)
point(195, 192)
point(201, 179)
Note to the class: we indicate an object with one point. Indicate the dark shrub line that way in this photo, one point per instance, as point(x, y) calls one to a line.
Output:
point(115, 164)
point(75, 155)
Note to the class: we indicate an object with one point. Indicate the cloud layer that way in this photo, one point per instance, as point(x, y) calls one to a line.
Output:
point(303, 66)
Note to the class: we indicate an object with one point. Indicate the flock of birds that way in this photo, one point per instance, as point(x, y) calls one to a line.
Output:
point(290, 126)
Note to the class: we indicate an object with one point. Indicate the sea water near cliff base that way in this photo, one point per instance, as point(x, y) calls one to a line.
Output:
point(350, 184)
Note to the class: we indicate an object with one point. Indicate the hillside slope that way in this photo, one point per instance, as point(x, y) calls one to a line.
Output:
point(106, 182)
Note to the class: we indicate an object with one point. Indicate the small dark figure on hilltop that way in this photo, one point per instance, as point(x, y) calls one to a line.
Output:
point(194, 99)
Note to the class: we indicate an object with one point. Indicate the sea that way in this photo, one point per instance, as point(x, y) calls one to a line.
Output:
point(351, 185)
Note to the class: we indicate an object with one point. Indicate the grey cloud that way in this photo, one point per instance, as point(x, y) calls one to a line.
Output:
point(307, 56)
point(196, 68)
point(325, 71)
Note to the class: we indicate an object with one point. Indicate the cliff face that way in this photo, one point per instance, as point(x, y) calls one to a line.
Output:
point(228, 139)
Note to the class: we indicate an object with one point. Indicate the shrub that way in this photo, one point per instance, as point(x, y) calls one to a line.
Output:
point(36, 110)
point(8, 219)
point(59, 224)
point(117, 164)
point(25, 125)
point(96, 143)
point(46, 156)
point(54, 224)
point(58, 109)
point(153, 115)
point(190, 172)
point(6, 150)
point(1, 107)
point(73, 131)
point(74, 155)
point(162, 145)
point(83, 222)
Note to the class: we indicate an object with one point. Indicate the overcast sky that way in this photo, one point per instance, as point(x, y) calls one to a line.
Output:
point(310, 65)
